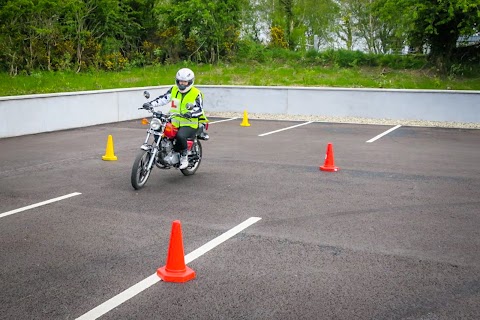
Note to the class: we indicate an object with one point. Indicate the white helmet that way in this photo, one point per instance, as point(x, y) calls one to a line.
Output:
point(184, 74)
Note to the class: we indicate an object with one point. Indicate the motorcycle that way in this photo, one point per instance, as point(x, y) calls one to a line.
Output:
point(157, 150)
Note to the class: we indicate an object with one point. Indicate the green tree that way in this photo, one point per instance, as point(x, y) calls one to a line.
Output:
point(46, 27)
point(253, 22)
point(56, 33)
point(434, 23)
point(87, 23)
point(207, 30)
point(138, 22)
point(15, 34)
point(316, 17)
point(300, 19)
point(359, 21)
point(347, 16)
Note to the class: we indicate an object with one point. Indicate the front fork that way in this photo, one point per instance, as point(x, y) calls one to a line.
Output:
point(153, 148)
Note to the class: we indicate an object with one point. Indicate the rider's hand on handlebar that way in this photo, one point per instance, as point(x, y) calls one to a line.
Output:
point(147, 105)
point(187, 115)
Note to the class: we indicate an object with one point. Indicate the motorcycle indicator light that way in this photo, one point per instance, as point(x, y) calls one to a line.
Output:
point(144, 121)
point(206, 126)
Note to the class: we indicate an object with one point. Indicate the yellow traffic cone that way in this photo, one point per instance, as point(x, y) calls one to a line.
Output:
point(245, 120)
point(109, 154)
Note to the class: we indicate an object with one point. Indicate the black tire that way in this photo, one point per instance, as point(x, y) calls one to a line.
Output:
point(197, 154)
point(140, 172)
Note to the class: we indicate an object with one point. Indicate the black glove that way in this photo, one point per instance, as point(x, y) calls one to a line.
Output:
point(187, 115)
point(147, 105)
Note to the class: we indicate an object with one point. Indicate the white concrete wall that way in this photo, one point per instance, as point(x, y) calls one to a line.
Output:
point(433, 105)
point(20, 115)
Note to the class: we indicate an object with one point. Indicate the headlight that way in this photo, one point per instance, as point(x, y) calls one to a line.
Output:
point(155, 124)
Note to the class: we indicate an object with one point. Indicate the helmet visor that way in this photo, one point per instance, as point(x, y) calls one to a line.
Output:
point(182, 85)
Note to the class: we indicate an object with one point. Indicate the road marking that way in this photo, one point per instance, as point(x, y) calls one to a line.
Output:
point(223, 120)
point(39, 204)
point(151, 280)
point(382, 134)
point(298, 125)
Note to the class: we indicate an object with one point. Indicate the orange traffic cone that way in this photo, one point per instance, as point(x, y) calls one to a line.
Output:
point(329, 161)
point(109, 153)
point(245, 120)
point(176, 270)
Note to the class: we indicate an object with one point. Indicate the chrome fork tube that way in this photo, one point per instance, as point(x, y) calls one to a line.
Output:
point(149, 132)
point(152, 157)
point(154, 149)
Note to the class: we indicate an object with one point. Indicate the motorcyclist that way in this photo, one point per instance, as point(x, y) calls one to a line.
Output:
point(183, 93)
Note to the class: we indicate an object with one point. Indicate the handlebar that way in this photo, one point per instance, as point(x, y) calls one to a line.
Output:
point(159, 114)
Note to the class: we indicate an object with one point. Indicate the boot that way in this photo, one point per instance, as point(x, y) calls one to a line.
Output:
point(202, 133)
point(183, 160)
point(203, 136)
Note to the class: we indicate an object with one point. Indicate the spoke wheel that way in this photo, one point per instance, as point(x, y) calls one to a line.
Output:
point(140, 170)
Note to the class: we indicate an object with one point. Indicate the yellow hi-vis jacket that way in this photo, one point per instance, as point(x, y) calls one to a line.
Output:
point(183, 98)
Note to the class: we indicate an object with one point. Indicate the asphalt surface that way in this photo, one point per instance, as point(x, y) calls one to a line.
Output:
point(395, 234)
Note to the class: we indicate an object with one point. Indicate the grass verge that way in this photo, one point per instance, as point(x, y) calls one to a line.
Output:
point(252, 74)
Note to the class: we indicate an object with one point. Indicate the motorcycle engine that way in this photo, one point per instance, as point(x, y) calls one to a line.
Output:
point(171, 158)
point(166, 145)
point(167, 154)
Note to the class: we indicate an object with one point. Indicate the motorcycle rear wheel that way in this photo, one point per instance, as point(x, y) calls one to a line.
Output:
point(196, 152)
point(140, 170)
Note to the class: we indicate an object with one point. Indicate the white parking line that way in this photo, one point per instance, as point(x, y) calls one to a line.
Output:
point(382, 134)
point(154, 278)
point(223, 120)
point(298, 125)
point(39, 204)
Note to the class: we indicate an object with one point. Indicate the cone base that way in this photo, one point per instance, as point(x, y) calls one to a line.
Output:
point(329, 168)
point(109, 158)
point(245, 124)
point(175, 276)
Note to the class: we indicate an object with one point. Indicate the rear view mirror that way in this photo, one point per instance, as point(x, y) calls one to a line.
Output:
point(190, 106)
point(146, 94)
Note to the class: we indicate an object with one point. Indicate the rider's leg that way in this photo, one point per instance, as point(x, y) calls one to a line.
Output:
point(181, 144)
point(202, 133)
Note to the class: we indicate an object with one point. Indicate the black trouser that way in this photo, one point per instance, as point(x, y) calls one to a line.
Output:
point(181, 139)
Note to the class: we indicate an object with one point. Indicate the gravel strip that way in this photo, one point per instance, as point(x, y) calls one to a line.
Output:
point(412, 123)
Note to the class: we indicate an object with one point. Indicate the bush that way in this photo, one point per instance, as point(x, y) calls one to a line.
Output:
point(396, 61)
point(349, 59)
point(137, 59)
point(114, 62)
point(249, 50)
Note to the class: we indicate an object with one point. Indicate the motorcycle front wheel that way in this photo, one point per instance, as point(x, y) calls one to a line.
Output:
point(140, 169)
point(195, 157)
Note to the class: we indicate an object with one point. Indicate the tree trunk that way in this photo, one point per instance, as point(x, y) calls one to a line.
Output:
point(442, 45)
point(49, 52)
point(79, 56)
point(13, 67)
